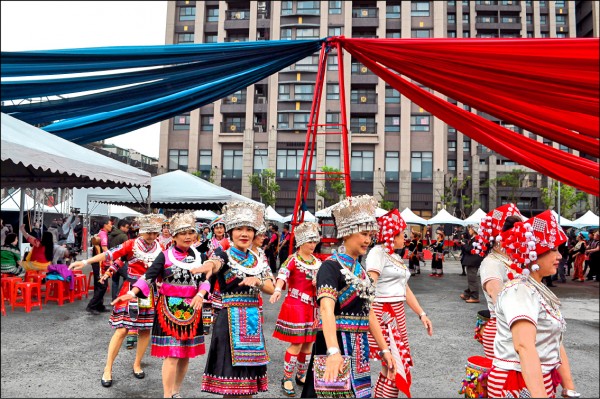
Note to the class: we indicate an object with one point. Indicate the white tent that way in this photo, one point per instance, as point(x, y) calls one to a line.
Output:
point(476, 217)
point(308, 217)
point(588, 220)
point(204, 214)
point(121, 211)
point(563, 220)
point(34, 158)
point(443, 217)
point(272, 215)
point(173, 190)
point(11, 204)
point(410, 218)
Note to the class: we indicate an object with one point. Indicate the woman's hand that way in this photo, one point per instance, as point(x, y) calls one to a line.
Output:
point(77, 265)
point(251, 281)
point(122, 298)
point(206, 268)
point(104, 277)
point(275, 297)
point(197, 302)
point(427, 323)
point(333, 367)
point(388, 362)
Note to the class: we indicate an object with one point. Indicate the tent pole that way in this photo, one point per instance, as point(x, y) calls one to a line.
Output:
point(21, 207)
point(149, 199)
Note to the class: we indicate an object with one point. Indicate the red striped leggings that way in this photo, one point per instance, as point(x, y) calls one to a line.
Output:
point(510, 384)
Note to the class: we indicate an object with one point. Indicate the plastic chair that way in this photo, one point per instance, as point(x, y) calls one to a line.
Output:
point(80, 287)
point(90, 281)
point(33, 276)
point(57, 290)
point(2, 298)
point(8, 285)
point(22, 296)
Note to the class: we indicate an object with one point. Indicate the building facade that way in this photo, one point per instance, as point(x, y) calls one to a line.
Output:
point(398, 151)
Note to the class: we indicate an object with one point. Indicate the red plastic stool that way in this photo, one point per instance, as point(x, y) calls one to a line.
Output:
point(2, 298)
point(80, 286)
point(24, 299)
point(33, 277)
point(90, 281)
point(57, 290)
point(8, 285)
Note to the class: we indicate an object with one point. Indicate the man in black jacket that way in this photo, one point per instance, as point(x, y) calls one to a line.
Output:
point(117, 237)
point(471, 261)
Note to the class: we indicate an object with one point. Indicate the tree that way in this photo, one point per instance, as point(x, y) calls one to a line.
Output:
point(265, 183)
point(333, 189)
point(455, 199)
point(385, 204)
point(570, 197)
point(512, 180)
point(211, 176)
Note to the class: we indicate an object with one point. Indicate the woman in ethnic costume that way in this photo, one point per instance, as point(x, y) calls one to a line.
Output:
point(529, 356)
point(126, 315)
point(177, 334)
point(344, 294)
point(165, 238)
point(494, 269)
point(388, 271)
point(296, 321)
point(437, 260)
point(237, 358)
point(415, 253)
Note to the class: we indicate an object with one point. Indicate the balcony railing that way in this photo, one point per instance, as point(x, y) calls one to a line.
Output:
point(237, 14)
point(363, 128)
point(363, 98)
point(232, 127)
point(359, 69)
point(364, 12)
point(235, 98)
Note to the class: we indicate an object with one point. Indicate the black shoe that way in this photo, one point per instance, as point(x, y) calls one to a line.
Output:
point(463, 274)
point(550, 285)
point(103, 310)
point(139, 375)
point(106, 383)
point(93, 312)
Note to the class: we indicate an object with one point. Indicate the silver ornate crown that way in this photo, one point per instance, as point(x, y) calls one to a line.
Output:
point(307, 232)
point(263, 229)
point(182, 222)
point(238, 213)
point(354, 214)
point(151, 223)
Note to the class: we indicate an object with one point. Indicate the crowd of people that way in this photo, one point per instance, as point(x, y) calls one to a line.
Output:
point(174, 282)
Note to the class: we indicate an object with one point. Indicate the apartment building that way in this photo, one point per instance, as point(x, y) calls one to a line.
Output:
point(398, 151)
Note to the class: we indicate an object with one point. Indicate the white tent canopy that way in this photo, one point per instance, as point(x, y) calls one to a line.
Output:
point(410, 218)
point(563, 220)
point(173, 190)
point(121, 211)
point(590, 219)
point(34, 158)
point(476, 217)
point(272, 215)
point(443, 217)
point(308, 217)
point(11, 204)
point(204, 214)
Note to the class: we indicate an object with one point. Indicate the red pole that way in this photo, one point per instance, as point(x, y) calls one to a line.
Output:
point(344, 121)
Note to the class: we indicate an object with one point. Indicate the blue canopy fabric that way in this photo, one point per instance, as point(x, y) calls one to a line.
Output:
point(175, 79)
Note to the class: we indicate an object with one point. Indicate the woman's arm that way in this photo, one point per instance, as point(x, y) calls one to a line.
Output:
point(387, 359)
point(493, 288)
point(334, 362)
point(413, 303)
point(564, 370)
point(80, 264)
point(524, 336)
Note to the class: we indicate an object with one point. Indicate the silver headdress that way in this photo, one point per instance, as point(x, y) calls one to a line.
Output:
point(238, 213)
point(263, 229)
point(307, 232)
point(151, 223)
point(354, 214)
point(182, 222)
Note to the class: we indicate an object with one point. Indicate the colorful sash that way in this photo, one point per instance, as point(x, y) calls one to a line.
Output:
point(177, 317)
point(356, 344)
point(246, 336)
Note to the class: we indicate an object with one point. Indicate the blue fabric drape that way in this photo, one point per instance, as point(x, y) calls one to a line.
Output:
point(181, 78)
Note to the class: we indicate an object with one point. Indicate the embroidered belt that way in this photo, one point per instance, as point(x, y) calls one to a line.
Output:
point(246, 337)
point(353, 324)
point(302, 296)
point(239, 300)
point(181, 291)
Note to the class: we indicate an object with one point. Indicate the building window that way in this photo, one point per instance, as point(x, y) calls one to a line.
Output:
point(421, 165)
point(239, 97)
point(510, 20)
point(466, 34)
point(392, 165)
point(361, 165)
point(261, 159)
point(561, 20)
point(232, 164)
point(286, 34)
point(561, 35)
point(235, 124)
point(286, 8)
point(308, 7)
point(333, 91)
point(309, 64)
point(289, 163)
point(332, 159)
point(335, 31)
point(451, 18)
point(181, 122)
point(205, 163)
point(393, 34)
point(178, 159)
point(543, 19)
point(206, 123)
point(187, 13)
point(283, 121)
point(284, 92)
point(420, 33)
point(467, 145)
point(333, 118)
point(392, 96)
point(392, 11)
point(452, 164)
point(301, 120)
point(210, 38)
point(466, 165)
point(363, 124)
point(185, 38)
point(451, 146)
point(529, 19)
point(465, 18)
point(451, 33)
point(212, 14)
point(303, 92)
point(392, 124)
point(419, 123)
point(363, 96)
point(335, 7)
point(332, 62)
point(307, 33)
point(419, 9)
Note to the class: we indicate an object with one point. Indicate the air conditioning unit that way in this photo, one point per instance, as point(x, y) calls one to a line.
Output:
point(261, 100)
point(262, 6)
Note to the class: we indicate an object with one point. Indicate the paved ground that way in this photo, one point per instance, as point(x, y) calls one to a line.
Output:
point(60, 351)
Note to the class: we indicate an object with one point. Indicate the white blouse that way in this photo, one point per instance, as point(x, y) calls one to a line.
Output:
point(393, 275)
point(493, 267)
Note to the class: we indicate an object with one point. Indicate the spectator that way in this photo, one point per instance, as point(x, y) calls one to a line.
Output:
point(42, 251)
point(271, 249)
point(284, 244)
point(471, 260)
point(3, 231)
point(593, 253)
point(117, 237)
point(99, 245)
point(562, 266)
point(578, 251)
point(11, 256)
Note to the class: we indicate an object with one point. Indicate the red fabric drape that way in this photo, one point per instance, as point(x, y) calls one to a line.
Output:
point(547, 86)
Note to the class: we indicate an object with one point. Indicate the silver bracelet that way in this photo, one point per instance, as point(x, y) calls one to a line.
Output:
point(130, 292)
point(421, 315)
point(85, 262)
point(383, 352)
point(277, 289)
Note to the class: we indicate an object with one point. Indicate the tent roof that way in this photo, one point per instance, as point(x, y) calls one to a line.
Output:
point(34, 158)
point(272, 215)
point(443, 217)
point(476, 217)
point(13, 201)
point(121, 211)
point(563, 220)
point(590, 219)
point(308, 217)
point(203, 214)
point(410, 218)
point(173, 190)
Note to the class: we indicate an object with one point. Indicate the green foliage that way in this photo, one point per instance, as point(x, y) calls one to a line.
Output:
point(265, 183)
point(384, 204)
point(513, 180)
point(331, 190)
point(211, 177)
point(455, 201)
point(570, 197)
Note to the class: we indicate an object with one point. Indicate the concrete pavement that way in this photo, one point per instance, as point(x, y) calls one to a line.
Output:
point(61, 350)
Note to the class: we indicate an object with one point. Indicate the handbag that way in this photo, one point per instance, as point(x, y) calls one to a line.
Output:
point(339, 388)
